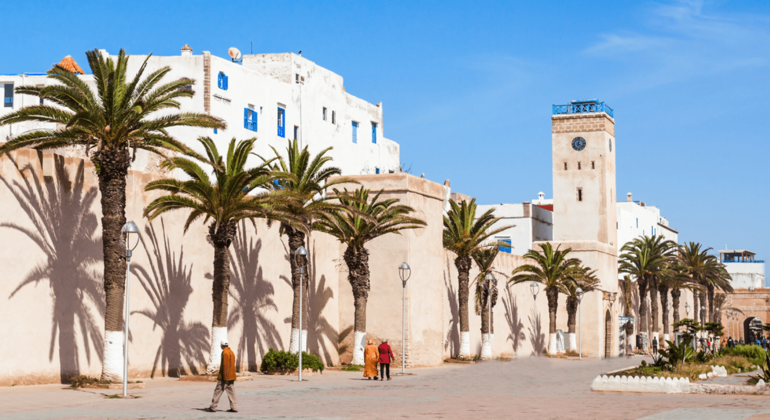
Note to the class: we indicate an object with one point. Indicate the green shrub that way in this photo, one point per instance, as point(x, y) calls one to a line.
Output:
point(284, 361)
point(754, 353)
point(79, 381)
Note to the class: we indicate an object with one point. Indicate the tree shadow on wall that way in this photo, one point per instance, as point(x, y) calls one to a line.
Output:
point(252, 298)
point(452, 341)
point(537, 338)
point(59, 209)
point(168, 285)
point(319, 330)
point(515, 326)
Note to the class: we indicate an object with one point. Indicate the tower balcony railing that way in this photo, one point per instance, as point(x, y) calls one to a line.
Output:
point(583, 107)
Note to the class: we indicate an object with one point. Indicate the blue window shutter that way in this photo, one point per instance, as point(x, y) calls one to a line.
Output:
point(281, 122)
point(376, 170)
point(219, 80)
point(227, 79)
point(355, 130)
point(254, 117)
point(506, 249)
point(215, 131)
point(374, 133)
point(246, 118)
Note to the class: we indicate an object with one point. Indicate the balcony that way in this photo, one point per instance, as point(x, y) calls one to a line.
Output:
point(583, 107)
point(739, 261)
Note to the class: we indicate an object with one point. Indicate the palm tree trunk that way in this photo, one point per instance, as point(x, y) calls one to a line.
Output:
point(296, 240)
point(572, 308)
point(113, 169)
point(654, 309)
point(552, 293)
point(486, 343)
point(696, 306)
point(675, 294)
point(221, 237)
point(711, 303)
point(463, 265)
point(641, 282)
point(703, 303)
point(357, 260)
point(663, 290)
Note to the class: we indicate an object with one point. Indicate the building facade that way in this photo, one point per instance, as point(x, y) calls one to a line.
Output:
point(273, 97)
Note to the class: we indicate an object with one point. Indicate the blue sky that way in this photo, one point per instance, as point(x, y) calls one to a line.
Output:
point(467, 87)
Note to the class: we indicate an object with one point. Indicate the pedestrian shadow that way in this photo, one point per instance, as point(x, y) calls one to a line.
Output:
point(320, 333)
point(64, 228)
point(252, 298)
point(537, 338)
point(452, 341)
point(168, 284)
point(515, 326)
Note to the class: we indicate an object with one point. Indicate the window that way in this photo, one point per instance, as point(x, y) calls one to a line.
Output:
point(222, 81)
point(637, 223)
point(281, 122)
point(324, 113)
point(41, 99)
point(504, 240)
point(215, 131)
point(580, 194)
point(376, 170)
point(296, 132)
point(579, 168)
point(8, 101)
point(334, 117)
point(593, 166)
point(374, 133)
point(355, 132)
point(565, 166)
point(250, 119)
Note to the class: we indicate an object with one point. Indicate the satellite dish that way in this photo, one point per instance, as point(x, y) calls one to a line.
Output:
point(235, 53)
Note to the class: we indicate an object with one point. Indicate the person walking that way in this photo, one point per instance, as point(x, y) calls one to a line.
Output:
point(371, 355)
point(225, 380)
point(654, 345)
point(386, 356)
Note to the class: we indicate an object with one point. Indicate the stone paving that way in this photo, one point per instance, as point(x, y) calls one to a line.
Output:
point(526, 388)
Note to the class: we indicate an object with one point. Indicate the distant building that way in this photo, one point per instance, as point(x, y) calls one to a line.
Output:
point(526, 223)
point(746, 271)
point(637, 219)
point(274, 97)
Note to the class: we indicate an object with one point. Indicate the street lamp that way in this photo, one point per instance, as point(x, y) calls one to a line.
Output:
point(128, 229)
point(580, 324)
point(489, 285)
point(403, 272)
point(300, 252)
point(535, 288)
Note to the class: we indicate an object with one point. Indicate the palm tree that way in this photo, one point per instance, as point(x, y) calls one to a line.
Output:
point(116, 121)
point(646, 259)
point(307, 180)
point(554, 270)
point(674, 279)
point(627, 286)
point(705, 270)
point(585, 280)
point(716, 277)
point(225, 201)
point(463, 235)
point(370, 219)
point(486, 297)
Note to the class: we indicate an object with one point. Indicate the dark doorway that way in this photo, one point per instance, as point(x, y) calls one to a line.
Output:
point(607, 335)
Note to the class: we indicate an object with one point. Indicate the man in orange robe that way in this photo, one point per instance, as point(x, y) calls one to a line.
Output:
point(225, 380)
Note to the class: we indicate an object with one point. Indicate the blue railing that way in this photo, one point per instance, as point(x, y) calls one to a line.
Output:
point(736, 261)
point(583, 107)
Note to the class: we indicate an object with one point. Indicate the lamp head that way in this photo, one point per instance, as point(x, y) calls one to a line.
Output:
point(489, 279)
point(534, 288)
point(130, 229)
point(404, 272)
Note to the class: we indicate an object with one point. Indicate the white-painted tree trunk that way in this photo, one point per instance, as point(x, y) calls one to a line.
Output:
point(359, 342)
point(465, 344)
point(573, 342)
point(218, 334)
point(294, 342)
point(552, 346)
point(666, 337)
point(486, 347)
point(113, 355)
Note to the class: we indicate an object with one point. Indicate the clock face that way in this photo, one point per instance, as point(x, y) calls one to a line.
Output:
point(578, 143)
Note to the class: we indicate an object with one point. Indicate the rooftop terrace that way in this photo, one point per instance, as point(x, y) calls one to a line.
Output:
point(583, 107)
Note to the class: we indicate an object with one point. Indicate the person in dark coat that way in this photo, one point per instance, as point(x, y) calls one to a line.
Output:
point(654, 345)
point(386, 356)
point(225, 380)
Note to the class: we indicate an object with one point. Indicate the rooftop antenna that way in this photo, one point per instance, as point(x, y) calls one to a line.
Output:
point(235, 54)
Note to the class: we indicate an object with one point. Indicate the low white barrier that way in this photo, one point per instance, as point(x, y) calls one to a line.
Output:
point(641, 384)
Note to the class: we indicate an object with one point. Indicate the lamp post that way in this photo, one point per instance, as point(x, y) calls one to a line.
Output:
point(535, 288)
point(611, 299)
point(128, 229)
point(580, 324)
point(489, 280)
point(716, 311)
point(687, 311)
point(300, 252)
point(404, 272)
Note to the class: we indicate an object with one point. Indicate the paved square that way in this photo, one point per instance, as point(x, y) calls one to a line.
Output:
point(528, 388)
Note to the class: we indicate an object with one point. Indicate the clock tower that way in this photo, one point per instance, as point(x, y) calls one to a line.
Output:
point(585, 215)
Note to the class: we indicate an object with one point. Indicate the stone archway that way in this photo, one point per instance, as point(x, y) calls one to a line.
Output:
point(747, 328)
point(607, 335)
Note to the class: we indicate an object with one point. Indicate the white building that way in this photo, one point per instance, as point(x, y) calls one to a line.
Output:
point(526, 223)
point(269, 96)
point(637, 219)
point(746, 271)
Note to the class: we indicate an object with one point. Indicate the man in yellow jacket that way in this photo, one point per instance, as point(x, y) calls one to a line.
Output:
point(225, 380)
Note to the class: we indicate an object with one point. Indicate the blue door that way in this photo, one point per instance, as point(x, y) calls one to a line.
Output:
point(281, 122)
point(374, 133)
